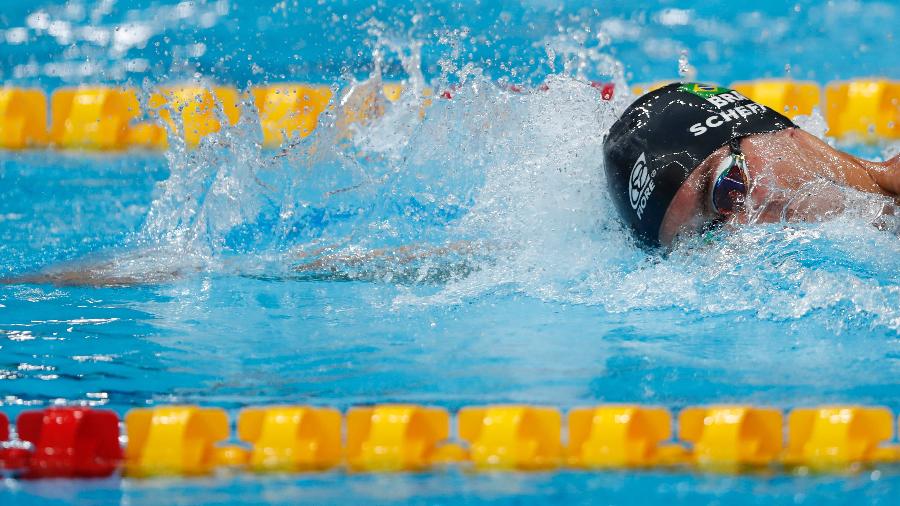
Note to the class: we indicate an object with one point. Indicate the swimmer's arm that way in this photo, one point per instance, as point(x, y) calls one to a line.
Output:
point(401, 255)
point(887, 175)
point(91, 277)
point(106, 272)
point(72, 278)
point(865, 175)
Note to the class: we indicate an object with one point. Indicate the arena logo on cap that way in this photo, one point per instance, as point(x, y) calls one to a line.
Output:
point(641, 186)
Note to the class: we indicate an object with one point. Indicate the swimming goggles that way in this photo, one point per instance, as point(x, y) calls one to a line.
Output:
point(729, 191)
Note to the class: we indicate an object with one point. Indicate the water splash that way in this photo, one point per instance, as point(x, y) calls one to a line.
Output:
point(494, 189)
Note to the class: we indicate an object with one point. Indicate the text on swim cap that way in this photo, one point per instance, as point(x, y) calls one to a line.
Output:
point(726, 116)
point(641, 185)
point(723, 99)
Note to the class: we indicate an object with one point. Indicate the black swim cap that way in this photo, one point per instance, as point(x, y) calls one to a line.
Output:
point(663, 136)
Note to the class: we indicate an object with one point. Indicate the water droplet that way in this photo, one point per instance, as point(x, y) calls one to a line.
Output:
point(685, 70)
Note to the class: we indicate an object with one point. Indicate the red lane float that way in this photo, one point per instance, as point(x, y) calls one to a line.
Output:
point(70, 442)
point(12, 459)
point(606, 89)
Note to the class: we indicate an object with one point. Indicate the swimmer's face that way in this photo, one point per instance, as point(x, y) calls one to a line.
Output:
point(691, 210)
point(779, 166)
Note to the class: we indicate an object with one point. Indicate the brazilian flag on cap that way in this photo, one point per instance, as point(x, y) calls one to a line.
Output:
point(703, 90)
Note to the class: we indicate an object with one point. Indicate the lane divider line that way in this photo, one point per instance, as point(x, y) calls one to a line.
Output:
point(110, 118)
point(176, 440)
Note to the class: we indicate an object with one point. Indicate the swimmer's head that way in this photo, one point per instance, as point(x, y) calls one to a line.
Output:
point(664, 136)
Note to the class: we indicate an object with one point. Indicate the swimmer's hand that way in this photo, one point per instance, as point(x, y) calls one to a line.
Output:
point(887, 175)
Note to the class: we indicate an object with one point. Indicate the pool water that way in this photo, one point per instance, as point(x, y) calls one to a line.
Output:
point(257, 277)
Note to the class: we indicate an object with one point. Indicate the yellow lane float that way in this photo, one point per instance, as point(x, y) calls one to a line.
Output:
point(621, 436)
point(173, 440)
point(397, 437)
point(731, 436)
point(791, 98)
point(512, 437)
point(839, 435)
point(197, 109)
point(291, 438)
point(23, 118)
point(289, 110)
point(95, 118)
point(864, 109)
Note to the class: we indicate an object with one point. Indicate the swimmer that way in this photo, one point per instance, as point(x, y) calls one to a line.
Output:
point(689, 157)
point(680, 160)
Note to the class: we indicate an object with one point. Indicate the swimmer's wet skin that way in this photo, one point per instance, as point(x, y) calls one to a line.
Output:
point(689, 156)
point(414, 263)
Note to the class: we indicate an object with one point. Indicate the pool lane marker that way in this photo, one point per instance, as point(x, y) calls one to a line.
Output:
point(512, 437)
point(111, 118)
point(289, 438)
point(23, 118)
point(64, 442)
point(621, 436)
point(96, 118)
point(174, 440)
point(865, 109)
point(791, 98)
point(81, 442)
point(198, 109)
point(289, 110)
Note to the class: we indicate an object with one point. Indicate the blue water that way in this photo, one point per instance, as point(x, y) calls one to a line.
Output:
point(239, 41)
point(270, 277)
